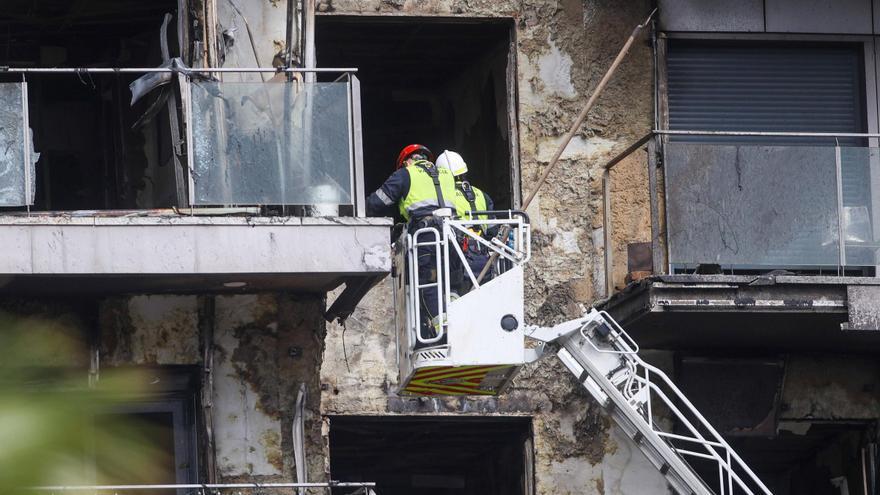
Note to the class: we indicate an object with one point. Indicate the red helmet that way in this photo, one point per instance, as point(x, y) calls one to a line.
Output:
point(412, 149)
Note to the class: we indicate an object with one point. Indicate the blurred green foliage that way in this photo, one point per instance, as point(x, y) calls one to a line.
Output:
point(54, 428)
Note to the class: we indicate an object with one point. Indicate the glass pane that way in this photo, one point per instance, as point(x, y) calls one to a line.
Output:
point(266, 143)
point(860, 169)
point(752, 206)
point(13, 177)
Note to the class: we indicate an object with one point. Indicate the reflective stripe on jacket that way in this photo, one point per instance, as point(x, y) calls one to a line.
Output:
point(421, 199)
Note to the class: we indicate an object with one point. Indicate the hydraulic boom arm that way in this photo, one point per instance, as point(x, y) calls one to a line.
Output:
point(605, 361)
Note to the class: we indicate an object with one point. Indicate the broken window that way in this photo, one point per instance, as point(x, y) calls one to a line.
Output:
point(96, 151)
point(815, 458)
point(742, 398)
point(445, 84)
point(434, 455)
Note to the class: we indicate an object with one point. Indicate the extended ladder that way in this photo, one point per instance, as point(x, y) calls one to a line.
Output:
point(605, 361)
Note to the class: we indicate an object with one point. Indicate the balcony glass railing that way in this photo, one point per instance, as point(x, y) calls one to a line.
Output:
point(17, 159)
point(285, 142)
point(272, 143)
point(754, 206)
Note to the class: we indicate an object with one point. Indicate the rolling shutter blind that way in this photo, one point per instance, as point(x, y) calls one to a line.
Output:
point(750, 87)
point(765, 86)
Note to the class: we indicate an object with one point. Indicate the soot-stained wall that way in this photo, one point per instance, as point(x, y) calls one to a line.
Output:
point(562, 50)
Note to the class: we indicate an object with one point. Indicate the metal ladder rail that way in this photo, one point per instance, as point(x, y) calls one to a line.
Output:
point(716, 450)
point(454, 229)
point(677, 472)
point(727, 459)
point(628, 395)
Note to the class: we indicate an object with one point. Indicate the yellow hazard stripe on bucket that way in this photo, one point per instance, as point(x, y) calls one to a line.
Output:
point(449, 380)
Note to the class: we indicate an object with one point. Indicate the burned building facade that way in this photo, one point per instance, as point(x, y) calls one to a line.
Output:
point(736, 242)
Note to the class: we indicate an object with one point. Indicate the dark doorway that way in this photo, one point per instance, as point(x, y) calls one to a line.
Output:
point(433, 455)
point(443, 83)
point(814, 458)
point(742, 398)
point(97, 150)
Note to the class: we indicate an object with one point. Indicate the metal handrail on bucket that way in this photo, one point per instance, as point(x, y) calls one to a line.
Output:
point(445, 243)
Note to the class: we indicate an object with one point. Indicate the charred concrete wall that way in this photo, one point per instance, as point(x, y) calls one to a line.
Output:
point(253, 34)
point(831, 387)
point(562, 50)
point(261, 348)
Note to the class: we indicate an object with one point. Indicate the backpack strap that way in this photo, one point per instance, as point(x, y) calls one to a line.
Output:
point(431, 170)
point(468, 193)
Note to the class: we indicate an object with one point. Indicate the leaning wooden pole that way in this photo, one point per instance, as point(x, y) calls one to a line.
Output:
point(566, 139)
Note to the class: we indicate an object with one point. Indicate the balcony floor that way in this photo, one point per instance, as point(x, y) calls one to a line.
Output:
point(74, 254)
point(756, 313)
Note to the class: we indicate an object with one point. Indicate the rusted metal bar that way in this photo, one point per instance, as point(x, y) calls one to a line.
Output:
point(586, 110)
point(566, 139)
point(628, 151)
point(607, 232)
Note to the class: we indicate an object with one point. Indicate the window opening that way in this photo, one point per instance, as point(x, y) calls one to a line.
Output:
point(441, 83)
point(163, 423)
point(96, 151)
point(433, 455)
point(741, 396)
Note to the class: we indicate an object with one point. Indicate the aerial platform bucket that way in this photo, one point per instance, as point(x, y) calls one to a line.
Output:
point(479, 343)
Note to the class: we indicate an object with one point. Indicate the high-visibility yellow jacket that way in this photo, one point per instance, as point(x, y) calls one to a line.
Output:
point(423, 195)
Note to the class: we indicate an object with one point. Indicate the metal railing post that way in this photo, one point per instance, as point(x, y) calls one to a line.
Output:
point(28, 199)
point(186, 99)
point(358, 195)
point(841, 228)
point(607, 232)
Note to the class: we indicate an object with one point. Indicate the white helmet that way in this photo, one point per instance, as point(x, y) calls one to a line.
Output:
point(453, 161)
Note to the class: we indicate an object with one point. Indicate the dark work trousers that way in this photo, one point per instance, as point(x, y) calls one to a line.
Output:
point(477, 261)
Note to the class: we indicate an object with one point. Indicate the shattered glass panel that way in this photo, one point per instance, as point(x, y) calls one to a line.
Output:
point(752, 206)
point(266, 143)
point(16, 166)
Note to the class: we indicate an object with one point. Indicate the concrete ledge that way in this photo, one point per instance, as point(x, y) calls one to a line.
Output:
point(774, 313)
point(321, 250)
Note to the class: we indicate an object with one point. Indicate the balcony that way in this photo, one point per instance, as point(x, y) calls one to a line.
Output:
point(752, 245)
point(759, 208)
point(264, 191)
